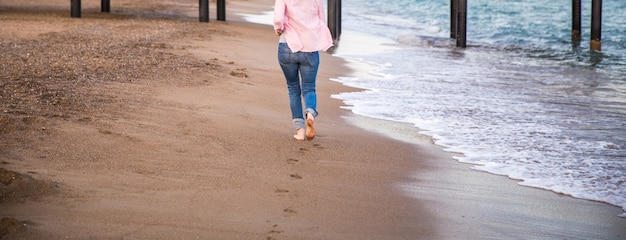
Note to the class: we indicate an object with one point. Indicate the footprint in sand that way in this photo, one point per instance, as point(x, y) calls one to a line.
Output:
point(289, 212)
point(280, 190)
point(105, 131)
point(274, 231)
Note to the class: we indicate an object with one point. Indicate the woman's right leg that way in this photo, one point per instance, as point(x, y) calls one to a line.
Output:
point(309, 63)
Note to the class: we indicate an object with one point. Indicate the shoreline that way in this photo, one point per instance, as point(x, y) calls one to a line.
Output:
point(594, 211)
point(178, 160)
point(510, 146)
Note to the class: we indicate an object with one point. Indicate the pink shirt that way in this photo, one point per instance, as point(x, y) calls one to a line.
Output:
point(303, 25)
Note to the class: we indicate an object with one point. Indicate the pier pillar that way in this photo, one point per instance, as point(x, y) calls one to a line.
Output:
point(221, 10)
point(334, 18)
point(461, 33)
point(75, 13)
point(204, 10)
point(576, 22)
point(596, 25)
point(105, 5)
point(453, 17)
point(339, 19)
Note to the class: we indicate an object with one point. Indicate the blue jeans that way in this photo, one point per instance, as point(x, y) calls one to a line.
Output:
point(300, 69)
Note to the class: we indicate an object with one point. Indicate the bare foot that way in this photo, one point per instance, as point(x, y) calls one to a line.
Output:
point(299, 134)
point(310, 126)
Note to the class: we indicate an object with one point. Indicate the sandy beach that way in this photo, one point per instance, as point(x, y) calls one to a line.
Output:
point(145, 123)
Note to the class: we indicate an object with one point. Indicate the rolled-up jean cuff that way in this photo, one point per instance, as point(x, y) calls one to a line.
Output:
point(298, 123)
point(311, 110)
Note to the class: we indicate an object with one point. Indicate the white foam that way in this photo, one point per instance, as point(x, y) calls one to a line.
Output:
point(532, 118)
point(265, 18)
point(501, 128)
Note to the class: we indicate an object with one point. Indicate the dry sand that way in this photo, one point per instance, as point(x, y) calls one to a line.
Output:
point(147, 124)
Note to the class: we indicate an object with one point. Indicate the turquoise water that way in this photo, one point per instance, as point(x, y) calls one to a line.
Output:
point(522, 100)
point(538, 28)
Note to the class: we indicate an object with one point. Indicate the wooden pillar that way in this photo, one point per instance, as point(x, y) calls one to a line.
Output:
point(453, 17)
point(339, 18)
point(576, 26)
point(596, 25)
point(75, 8)
point(105, 5)
point(334, 18)
point(204, 10)
point(461, 33)
point(221, 10)
point(331, 18)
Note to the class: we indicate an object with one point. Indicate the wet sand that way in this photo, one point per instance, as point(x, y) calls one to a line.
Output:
point(147, 124)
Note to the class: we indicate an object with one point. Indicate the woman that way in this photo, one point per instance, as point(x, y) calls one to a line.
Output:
point(303, 33)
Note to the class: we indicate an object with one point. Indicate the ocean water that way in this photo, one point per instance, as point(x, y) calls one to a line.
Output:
point(522, 100)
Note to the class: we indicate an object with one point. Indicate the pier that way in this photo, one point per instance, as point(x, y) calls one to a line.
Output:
point(203, 9)
point(334, 12)
point(458, 18)
point(458, 23)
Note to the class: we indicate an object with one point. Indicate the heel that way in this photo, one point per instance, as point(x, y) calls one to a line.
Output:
point(310, 126)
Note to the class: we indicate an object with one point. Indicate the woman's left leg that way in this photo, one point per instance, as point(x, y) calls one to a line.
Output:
point(289, 63)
